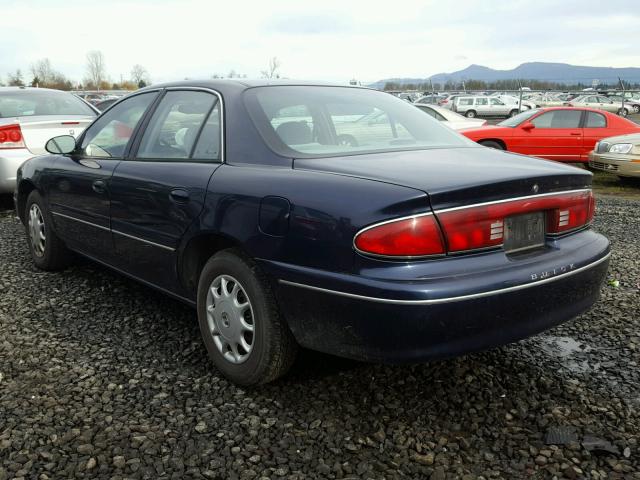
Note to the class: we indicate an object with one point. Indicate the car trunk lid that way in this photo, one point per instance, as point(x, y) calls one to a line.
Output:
point(37, 130)
point(454, 177)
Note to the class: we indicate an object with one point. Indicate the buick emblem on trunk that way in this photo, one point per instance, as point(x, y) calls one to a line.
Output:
point(535, 188)
point(72, 132)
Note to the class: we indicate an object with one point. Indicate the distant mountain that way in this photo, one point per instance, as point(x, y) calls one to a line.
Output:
point(551, 72)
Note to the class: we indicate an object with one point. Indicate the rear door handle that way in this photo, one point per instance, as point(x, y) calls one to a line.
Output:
point(179, 195)
point(99, 186)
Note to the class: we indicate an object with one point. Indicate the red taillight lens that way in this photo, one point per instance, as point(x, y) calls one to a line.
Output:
point(482, 226)
point(11, 137)
point(410, 237)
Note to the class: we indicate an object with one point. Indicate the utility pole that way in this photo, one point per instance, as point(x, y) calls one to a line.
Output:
point(433, 92)
point(622, 86)
point(520, 102)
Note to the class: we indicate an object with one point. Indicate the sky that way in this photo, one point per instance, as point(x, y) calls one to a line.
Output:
point(322, 40)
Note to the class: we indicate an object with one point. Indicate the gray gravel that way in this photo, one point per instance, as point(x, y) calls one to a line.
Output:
point(103, 378)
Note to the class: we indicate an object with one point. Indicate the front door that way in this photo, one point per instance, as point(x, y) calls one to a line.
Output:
point(79, 194)
point(557, 135)
point(159, 191)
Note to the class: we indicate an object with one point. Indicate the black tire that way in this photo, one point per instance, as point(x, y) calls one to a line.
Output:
point(492, 144)
point(52, 254)
point(470, 114)
point(513, 113)
point(623, 112)
point(636, 109)
point(273, 348)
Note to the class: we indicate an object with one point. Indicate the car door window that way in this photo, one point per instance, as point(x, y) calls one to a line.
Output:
point(209, 141)
point(433, 113)
point(495, 101)
point(481, 101)
point(110, 134)
point(175, 125)
point(595, 120)
point(558, 119)
point(604, 100)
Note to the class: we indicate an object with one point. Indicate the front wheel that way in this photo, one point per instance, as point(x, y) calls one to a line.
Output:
point(623, 112)
point(513, 112)
point(244, 333)
point(47, 250)
point(636, 109)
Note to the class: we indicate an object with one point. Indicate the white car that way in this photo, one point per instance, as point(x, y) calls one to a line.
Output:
point(29, 117)
point(511, 100)
point(449, 118)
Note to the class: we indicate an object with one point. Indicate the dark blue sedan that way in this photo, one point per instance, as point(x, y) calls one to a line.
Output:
point(339, 219)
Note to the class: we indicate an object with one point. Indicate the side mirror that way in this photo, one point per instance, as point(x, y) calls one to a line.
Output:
point(61, 145)
point(528, 126)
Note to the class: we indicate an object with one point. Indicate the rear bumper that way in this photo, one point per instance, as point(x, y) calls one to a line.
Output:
point(10, 161)
point(618, 164)
point(443, 316)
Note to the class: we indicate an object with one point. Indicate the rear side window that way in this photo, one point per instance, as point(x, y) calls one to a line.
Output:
point(558, 119)
point(175, 125)
point(482, 101)
point(109, 135)
point(31, 102)
point(465, 101)
point(595, 120)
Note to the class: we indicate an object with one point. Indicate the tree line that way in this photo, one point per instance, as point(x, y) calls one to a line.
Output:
point(42, 74)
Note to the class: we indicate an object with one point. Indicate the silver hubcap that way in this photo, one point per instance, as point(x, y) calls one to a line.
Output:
point(230, 318)
point(36, 230)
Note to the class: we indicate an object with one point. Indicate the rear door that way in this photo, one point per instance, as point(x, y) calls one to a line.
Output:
point(79, 192)
point(482, 107)
point(557, 135)
point(159, 191)
point(595, 128)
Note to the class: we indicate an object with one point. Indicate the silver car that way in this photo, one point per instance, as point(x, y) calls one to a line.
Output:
point(481, 106)
point(29, 117)
point(600, 102)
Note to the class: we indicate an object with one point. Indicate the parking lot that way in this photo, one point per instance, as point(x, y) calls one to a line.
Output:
point(104, 378)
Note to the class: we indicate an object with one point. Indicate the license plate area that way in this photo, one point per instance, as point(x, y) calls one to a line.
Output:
point(524, 232)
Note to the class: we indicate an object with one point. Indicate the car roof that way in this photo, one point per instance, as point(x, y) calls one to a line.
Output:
point(244, 83)
point(33, 89)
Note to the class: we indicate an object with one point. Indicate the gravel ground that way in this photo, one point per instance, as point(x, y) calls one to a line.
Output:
point(103, 378)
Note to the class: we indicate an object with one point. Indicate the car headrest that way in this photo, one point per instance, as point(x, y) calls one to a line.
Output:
point(294, 133)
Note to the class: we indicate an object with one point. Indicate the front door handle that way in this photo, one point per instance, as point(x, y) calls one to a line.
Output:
point(179, 195)
point(576, 134)
point(99, 186)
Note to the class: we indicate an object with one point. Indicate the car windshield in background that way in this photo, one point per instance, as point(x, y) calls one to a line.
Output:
point(30, 102)
point(308, 122)
point(519, 118)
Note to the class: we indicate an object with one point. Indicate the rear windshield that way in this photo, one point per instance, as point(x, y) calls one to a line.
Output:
point(312, 121)
point(27, 103)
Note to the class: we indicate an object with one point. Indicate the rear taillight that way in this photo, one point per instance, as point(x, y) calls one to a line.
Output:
point(417, 236)
point(11, 137)
point(473, 227)
point(482, 226)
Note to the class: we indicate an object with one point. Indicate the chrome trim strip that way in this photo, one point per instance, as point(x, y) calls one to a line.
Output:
point(436, 301)
point(513, 199)
point(171, 249)
point(221, 102)
point(81, 221)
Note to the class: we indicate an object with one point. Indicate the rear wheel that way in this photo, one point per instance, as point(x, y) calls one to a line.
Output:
point(244, 333)
point(470, 114)
point(492, 144)
point(47, 250)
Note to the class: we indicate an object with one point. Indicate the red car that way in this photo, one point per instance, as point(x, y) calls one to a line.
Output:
point(565, 134)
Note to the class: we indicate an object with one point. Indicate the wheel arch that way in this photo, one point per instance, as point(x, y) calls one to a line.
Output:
point(195, 253)
point(497, 140)
point(25, 187)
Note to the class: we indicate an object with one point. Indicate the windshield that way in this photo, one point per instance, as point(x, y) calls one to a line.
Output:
point(519, 118)
point(30, 102)
point(312, 121)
